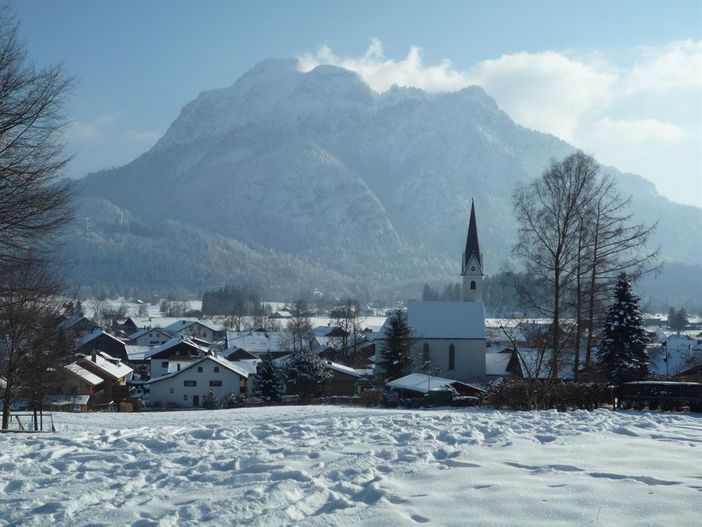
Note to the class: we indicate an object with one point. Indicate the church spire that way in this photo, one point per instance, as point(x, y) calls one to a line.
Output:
point(472, 245)
point(472, 263)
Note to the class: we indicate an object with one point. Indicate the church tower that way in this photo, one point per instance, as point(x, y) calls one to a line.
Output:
point(472, 272)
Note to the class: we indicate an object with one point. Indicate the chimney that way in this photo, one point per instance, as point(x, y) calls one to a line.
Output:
point(93, 357)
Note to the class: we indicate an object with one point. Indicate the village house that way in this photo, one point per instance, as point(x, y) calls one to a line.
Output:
point(100, 377)
point(190, 386)
point(76, 380)
point(77, 326)
point(196, 328)
point(258, 341)
point(174, 354)
point(100, 340)
point(149, 337)
point(114, 373)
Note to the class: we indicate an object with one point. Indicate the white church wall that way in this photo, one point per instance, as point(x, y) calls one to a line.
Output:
point(469, 358)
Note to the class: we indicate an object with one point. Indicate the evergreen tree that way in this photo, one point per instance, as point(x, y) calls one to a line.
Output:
point(269, 379)
point(210, 402)
point(309, 373)
point(622, 352)
point(396, 357)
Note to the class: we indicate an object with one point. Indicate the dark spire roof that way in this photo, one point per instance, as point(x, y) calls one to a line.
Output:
point(472, 245)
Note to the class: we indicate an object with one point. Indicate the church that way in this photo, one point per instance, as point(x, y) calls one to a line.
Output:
point(448, 338)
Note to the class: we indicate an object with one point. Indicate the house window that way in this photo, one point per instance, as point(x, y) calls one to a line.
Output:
point(189, 383)
point(426, 355)
point(215, 383)
point(452, 357)
point(172, 390)
point(164, 364)
point(216, 368)
point(472, 285)
point(185, 397)
point(199, 369)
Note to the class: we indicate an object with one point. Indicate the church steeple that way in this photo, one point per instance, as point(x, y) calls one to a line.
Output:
point(472, 244)
point(472, 265)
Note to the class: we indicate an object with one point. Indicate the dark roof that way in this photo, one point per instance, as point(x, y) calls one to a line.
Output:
point(472, 245)
point(240, 354)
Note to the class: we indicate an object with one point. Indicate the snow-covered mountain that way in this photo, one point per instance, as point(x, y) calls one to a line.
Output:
point(315, 169)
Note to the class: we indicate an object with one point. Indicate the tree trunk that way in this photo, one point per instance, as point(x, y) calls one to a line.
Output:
point(6, 402)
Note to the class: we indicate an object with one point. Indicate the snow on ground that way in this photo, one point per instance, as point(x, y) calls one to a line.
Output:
point(350, 466)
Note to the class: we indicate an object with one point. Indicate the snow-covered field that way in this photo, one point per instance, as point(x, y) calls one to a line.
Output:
point(351, 466)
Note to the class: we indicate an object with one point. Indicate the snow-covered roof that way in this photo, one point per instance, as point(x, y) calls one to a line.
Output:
point(143, 332)
point(342, 368)
point(496, 363)
point(257, 341)
point(84, 374)
point(175, 341)
point(682, 353)
point(232, 366)
point(446, 320)
point(108, 364)
point(137, 353)
point(182, 324)
point(250, 365)
point(422, 383)
point(95, 334)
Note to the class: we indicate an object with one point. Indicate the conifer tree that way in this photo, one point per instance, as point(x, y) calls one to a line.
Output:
point(396, 357)
point(269, 379)
point(309, 373)
point(622, 352)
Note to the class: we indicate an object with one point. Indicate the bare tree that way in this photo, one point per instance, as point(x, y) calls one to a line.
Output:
point(547, 213)
point(33, 202)
point(27, 304)
point(576, 234)
point(299, 328)
point(614, 244)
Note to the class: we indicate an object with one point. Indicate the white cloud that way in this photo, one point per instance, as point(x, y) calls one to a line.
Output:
point(650, 105)
point(636, 131)
point(677, 65)
point(546, 91)
point(381, 73)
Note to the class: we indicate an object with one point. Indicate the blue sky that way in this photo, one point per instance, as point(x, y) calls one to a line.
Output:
point(622, 80)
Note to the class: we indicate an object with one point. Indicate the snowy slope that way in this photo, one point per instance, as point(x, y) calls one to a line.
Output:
point(350, 466)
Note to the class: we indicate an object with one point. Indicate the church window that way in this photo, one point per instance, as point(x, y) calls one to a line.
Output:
point(452, 357)
point(472, 285)
point(426, 356)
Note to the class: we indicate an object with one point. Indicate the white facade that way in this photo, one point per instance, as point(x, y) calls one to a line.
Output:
point(161, 367)
point(467, 364)
point(151, 337)
point(190, 386)
point(448, 337)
